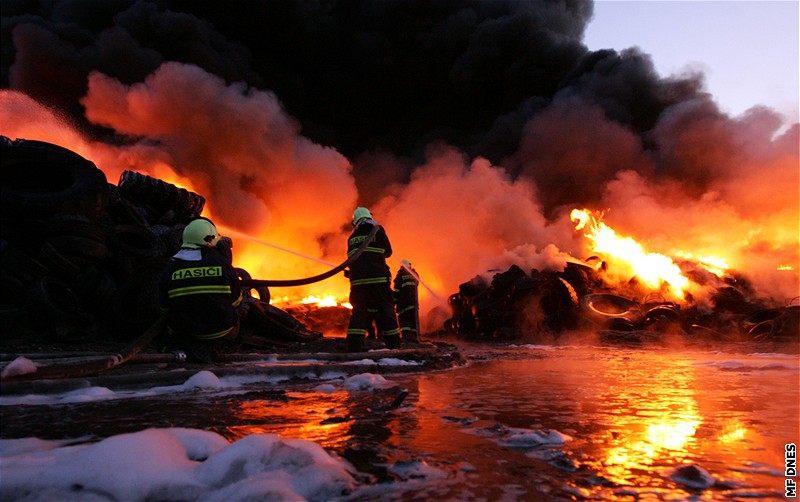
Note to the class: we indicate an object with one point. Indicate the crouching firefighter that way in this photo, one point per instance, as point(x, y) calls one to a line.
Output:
point(200, 292)
point(370, 288)
point(406, 301)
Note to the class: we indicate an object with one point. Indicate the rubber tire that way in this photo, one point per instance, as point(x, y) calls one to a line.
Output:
point(134, 241)
point(749, 323)
point(160, 197)
point(593, 306)
point(43, 179)
point(135, 305)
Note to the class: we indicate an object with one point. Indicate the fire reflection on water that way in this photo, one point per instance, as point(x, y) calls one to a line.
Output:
point(656, 418)
point(631, 416)
point(333, 419)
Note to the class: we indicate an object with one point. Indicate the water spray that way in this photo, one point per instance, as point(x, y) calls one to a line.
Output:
point(416, 278)
point(234, 233)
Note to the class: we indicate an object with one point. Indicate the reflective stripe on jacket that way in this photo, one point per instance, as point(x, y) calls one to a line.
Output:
point(200, 297)
point(370, 267)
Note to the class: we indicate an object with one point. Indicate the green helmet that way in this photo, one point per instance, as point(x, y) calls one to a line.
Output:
point(360, 213)
point(200, 233)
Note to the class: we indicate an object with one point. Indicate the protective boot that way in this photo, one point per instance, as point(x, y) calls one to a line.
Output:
point(355, 342)
point(410, 336)
point(392, 341)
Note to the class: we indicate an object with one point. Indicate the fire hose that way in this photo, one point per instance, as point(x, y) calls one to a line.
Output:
point(257, 283)
point(83, 367)
point(80, 368)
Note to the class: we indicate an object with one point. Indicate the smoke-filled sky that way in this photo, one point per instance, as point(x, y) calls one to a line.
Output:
point(749, 54)
point(471, 128)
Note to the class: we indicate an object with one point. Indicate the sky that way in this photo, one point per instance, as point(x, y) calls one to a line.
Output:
point(748, 50)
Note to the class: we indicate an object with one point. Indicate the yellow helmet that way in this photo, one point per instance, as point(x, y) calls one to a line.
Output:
point(200, 233)
point(361, 213)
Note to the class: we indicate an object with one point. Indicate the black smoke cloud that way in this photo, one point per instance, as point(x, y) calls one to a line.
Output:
point(359, 75)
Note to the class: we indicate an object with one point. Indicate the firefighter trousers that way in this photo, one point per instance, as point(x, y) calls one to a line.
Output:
point(372, 301)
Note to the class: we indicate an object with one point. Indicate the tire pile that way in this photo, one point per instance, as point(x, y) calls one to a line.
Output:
point(515, 301)
point(543, 306)
point(81, 257)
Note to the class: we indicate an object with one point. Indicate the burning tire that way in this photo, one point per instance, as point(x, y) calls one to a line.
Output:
point(43, 179)
point(604, 308)
point(159, 197)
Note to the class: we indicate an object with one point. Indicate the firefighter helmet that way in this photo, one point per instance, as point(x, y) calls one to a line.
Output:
point(200, 233)
point(361, 213)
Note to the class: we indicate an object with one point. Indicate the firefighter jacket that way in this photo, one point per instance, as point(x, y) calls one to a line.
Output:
point(370, 267)
point(200, 294)
point(405, 291)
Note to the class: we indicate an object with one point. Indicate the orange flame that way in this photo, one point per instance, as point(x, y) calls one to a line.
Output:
point(717, 266)
point(323, 301)
point(654, 269)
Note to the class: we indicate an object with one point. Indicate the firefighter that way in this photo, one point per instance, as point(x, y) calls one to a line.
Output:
point(406, 301)
point(200, 293)
point(370, 284)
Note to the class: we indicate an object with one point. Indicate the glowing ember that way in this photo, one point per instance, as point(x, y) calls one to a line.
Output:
point(327, 301)
point(717, 266)
point(652, 268)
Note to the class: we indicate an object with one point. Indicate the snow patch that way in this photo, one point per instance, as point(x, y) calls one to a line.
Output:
point(528, 438)
point(173, 464)
point(366, 381)
point(19, 366)
point(203, 380)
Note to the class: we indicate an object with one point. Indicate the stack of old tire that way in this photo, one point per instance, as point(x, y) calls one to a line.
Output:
point(780, 324)
point(514, 301)
point(81, 256)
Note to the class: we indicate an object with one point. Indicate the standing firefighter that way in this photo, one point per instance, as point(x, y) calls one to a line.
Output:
point(406, 301)
point(200, 292)
point(370, 287)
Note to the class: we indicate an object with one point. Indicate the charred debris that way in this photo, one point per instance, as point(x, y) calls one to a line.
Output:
point(81, 257)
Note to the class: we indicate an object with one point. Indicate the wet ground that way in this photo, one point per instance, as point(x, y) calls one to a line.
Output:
point(516, 423)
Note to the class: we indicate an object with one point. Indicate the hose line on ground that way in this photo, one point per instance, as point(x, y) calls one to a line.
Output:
point(256, 283)
point(83, 367)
